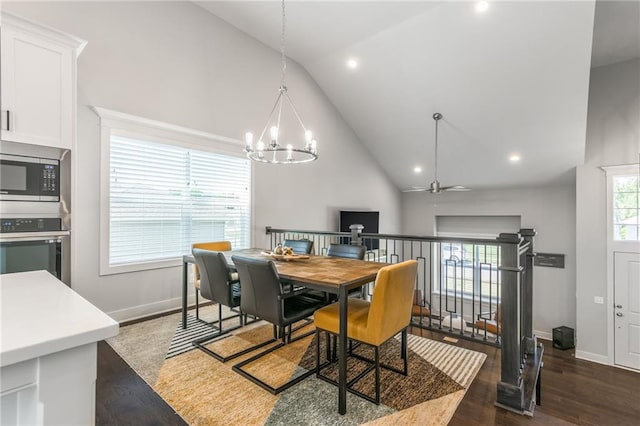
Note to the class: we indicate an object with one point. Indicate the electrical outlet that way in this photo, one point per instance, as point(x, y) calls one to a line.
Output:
point(599, 300)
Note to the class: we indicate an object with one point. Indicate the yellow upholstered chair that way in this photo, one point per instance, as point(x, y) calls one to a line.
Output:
point(375, 322)
point(213, 246)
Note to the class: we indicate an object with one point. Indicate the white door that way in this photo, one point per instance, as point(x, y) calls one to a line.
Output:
point(627, 309)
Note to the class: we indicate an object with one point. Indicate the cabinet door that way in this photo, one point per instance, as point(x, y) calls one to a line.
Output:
point(37, 91)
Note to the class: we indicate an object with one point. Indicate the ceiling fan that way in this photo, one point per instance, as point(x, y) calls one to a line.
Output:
point(436, 187)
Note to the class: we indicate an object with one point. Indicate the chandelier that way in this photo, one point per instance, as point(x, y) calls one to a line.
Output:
point(273, 151)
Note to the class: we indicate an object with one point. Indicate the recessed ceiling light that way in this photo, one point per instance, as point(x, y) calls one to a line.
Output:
point(417, 169)
point(352, 63)
point(482, 6)
point(514, 158)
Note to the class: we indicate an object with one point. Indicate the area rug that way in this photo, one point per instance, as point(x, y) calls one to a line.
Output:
point(205, 391)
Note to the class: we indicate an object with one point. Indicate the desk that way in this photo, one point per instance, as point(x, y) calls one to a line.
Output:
point(329, 274)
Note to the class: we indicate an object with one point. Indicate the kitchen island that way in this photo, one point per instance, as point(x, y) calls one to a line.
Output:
point(48, 351)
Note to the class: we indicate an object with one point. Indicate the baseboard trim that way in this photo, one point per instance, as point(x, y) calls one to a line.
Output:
point(150, 309)
point(597, 358)
point(543, 335)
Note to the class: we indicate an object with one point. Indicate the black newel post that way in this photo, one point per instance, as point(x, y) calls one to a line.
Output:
point(518, 388)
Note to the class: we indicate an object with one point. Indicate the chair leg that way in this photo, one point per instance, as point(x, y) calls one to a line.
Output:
point(376, 351)
point(317, 352)
point(197, 305)
point(329, 359)
point(220, 317)
point(403, 350)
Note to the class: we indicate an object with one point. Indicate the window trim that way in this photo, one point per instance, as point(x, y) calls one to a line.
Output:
point(131, 126)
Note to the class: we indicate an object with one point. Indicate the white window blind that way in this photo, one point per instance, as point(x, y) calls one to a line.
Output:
point(163, 198)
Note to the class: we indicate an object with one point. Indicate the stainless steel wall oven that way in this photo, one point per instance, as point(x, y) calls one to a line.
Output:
point(31, 244)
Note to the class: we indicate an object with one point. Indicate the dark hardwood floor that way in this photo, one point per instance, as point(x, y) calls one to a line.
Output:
point(123, 398)
point(573, 391)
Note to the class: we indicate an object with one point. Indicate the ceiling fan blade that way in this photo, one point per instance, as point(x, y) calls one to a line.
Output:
point(416, 189)
point(458, 188)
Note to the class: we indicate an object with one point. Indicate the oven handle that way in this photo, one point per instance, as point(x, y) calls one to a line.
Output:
point(33, 236)
point(21, 239)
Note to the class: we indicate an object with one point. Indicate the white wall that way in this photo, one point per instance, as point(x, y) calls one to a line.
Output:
point(613, 137)
point(550, 210)
point(174, 62)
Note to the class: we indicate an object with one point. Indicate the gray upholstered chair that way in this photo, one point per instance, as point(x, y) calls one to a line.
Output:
point(213, 246)
point(299, 246)
point(218, 285)
point(262, 296)
point(346, 250)
point(351, 252)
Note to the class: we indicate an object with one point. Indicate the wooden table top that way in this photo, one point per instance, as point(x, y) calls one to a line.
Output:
point(330, 273)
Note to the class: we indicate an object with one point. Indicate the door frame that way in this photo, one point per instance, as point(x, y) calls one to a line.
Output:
point(612, 248)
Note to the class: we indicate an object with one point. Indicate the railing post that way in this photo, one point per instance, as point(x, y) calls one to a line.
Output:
point(356, 234)
point(527, 293)
point(510, 386)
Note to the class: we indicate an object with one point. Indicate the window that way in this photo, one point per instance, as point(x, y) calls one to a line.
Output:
point(626, 207)
point(471, 270)
point(160, 195)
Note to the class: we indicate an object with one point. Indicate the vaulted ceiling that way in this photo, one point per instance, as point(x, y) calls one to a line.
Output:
point(511, 80)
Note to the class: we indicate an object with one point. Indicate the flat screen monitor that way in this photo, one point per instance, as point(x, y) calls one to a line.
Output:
point(370, 220)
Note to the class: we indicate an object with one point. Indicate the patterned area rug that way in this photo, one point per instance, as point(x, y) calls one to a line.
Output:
point(205, 391)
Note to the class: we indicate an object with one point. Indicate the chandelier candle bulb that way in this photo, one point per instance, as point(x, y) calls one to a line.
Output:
point(249, 140)
point(290, 152)
point(274, 134)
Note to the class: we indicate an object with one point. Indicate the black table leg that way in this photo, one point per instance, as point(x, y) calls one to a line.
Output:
point(342, 362)
point(185, 270)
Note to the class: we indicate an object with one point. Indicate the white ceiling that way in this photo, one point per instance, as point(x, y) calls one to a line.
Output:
point(514, 79)
point(616, 33)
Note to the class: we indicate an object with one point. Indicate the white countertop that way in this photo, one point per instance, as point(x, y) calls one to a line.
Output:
point(40, 315)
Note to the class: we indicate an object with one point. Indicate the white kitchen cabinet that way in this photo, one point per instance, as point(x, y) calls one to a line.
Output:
point(48, 351)
point(38, 83)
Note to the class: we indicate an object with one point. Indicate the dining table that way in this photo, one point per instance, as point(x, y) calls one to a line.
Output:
point(332, 275)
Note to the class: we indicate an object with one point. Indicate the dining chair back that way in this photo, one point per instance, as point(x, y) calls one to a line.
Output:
point(350, 252)
point(346, 250)
point(260, 289)
point(213, 246)
point(215, 284)
point(299, 246)
point(391, 303)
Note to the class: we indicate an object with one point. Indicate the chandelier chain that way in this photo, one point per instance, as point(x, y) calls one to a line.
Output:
point(436, 156)
point(283, 58)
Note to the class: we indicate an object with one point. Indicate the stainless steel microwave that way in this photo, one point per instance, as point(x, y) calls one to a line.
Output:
point(29, 178)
